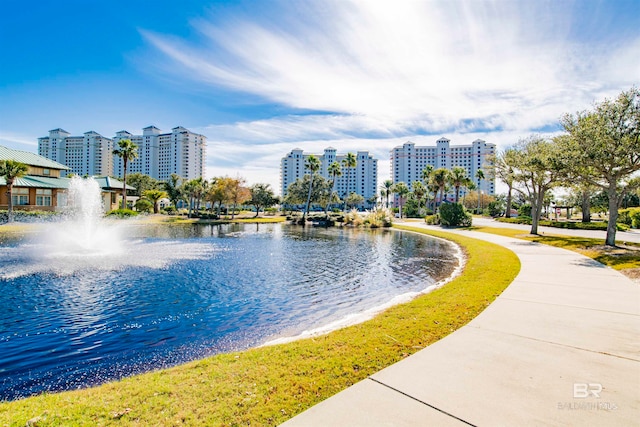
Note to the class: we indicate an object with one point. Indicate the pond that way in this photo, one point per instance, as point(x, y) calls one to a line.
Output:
point(172, 294)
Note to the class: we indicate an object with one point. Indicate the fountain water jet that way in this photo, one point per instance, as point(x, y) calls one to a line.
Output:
point(85, 240)
point(85, 232)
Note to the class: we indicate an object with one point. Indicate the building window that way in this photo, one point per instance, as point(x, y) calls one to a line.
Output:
point(20, 196)
point(43, 197)
point(46, 171)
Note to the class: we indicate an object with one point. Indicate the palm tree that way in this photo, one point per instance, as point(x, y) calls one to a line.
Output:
point(432, 188)
point(418, 191)
point(426, 174)
point(458, 178)
point(479, 177)
point(426, 178)
point(387, 187)
point(188, 189)
point(154, 196)
point(440, 177)
point(313, 164)
point(349, 162)
point(126, 150)
point(335, 170)
point(10, 170)
point(172, 187)
point(401, 190)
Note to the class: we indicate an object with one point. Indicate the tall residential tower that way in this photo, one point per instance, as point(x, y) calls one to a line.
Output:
point(363, 179)
point(408, 161)
point(159, 154)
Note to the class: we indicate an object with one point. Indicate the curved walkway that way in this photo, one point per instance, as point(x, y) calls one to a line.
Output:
point(560, 346)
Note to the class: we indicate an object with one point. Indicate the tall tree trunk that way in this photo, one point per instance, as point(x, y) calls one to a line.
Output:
point(613, 215)
point(124, 185)
point(457, 193)
point(586, 206)
point(9, 201)
point(536, 208)
point(306, 210)
point(507, 212)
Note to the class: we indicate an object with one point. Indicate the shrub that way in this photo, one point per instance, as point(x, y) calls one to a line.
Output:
point(629, 217)
point(454, 215)
point(143, 205)
point(170, 210)
point(379, 218)
point(353, 218)
point(495, 209)
point(122, 213)
point(525, 210)
point(28, 216)
point(432, 220)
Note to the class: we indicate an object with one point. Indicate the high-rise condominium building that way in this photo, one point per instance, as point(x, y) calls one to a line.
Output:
point(408, 161)
point(362, 180)
point(89, 154)
point(159, 154)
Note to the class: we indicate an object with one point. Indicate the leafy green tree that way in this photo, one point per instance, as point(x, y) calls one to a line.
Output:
point(154, 196)
point(11, 170)
point(143, 205)
point(538, 167)
point(188, 188)
point(335, 170)
point(440, 177)
point(238, 193)
point(218, 192)
point(419, 191)
point(312, 164)
point(433, 188)
point(387, 190)
point(502, 167)
point(354, 199)
point(402, 191)
point(127, 151)
point(458, 178)
point(262, 196)
point(603, 148)
point(480, 177)
point(172, 187)
point(142, 183)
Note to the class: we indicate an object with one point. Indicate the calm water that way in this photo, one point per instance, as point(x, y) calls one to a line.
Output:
point(174, 294)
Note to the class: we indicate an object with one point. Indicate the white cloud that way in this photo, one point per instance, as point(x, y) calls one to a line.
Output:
point(387, 72)
point(18, 141)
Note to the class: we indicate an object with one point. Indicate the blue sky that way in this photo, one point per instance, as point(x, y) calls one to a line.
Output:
point(260, 78)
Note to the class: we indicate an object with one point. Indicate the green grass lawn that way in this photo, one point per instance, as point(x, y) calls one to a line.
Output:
point(622, 258)
point(268, 385)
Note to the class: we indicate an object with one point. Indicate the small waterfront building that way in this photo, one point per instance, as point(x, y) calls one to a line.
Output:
point(42, 188)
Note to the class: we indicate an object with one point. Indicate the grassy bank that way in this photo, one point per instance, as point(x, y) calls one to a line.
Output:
point(241, 220)
point(266, 386)
point(622, 258)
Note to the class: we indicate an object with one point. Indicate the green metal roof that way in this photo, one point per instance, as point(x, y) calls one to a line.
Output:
point(108, 183)
point(31, 159)
point(105, 182)
point(38, 182)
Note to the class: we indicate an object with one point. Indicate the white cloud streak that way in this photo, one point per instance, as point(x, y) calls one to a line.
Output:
point(392, 71)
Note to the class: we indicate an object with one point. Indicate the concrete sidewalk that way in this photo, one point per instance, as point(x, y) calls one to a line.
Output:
point(631, 236)
point(560, 346)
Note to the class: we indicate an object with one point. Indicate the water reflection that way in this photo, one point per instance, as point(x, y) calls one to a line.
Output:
point(215, 288)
